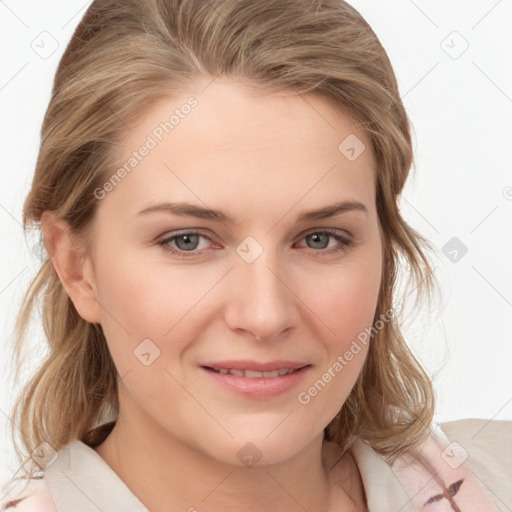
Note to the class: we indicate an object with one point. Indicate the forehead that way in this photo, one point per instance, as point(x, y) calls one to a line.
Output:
point(220, 140)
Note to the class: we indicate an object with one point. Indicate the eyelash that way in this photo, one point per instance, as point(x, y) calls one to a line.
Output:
point(345, 243)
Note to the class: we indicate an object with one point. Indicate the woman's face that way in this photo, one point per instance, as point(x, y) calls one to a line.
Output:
point(263, 280)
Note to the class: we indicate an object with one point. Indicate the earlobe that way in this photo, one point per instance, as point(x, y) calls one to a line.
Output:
point(72, 265)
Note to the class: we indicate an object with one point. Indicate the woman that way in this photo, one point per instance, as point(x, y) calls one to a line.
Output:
point(217, 191)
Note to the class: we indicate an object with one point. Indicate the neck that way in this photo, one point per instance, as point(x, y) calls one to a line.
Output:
point(166, 474)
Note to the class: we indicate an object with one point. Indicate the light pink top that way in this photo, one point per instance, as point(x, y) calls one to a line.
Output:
point(465, 465)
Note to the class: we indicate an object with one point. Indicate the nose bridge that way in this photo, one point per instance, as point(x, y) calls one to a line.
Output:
point(263, 302)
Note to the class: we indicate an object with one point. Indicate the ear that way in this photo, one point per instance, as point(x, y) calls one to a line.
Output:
point(72, 265)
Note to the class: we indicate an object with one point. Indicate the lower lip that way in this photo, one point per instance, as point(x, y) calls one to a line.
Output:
point(259, 387)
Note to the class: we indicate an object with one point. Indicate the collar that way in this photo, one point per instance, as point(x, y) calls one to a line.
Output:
point(81, 480)
point(383, 489)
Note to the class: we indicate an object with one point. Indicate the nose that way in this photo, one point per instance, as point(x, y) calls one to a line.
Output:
point(261, 298)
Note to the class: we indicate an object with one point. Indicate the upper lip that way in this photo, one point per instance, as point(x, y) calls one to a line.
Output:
point(247, 364)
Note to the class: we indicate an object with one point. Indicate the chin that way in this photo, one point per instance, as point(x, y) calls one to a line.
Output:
point(260, 449)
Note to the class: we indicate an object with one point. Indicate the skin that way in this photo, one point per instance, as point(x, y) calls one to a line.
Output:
point(264, 159)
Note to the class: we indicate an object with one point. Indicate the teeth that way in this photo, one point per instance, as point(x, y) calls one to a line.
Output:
point(253, 374)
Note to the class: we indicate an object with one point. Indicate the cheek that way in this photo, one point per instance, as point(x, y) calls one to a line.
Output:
point(347, 307)
point(143, 300)
point(344, 297)
point(130, 301)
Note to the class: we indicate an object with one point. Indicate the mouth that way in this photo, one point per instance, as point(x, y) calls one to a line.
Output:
point(261, 383)
point(254, 374)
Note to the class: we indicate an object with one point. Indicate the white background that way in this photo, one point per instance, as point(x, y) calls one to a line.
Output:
point(461, 112)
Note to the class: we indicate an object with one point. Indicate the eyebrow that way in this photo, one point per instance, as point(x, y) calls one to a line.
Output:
point(187, 209)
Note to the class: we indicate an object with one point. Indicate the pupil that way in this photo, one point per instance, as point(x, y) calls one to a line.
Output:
point(189, 239)
point(317, 239)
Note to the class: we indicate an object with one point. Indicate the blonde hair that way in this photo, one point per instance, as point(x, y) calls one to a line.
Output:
point(126, 54)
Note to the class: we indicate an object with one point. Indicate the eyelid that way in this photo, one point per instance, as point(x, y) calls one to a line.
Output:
point(165, 240)
point(345, 241)
point(199, 231)
point(176, 234)
point(337, 231)
point(343, 237)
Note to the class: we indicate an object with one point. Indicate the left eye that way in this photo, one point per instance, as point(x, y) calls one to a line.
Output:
point(187, 244)
point(321, 237)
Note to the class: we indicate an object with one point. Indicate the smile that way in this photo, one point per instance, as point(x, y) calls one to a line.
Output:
point(253, 374)
point(257, 384)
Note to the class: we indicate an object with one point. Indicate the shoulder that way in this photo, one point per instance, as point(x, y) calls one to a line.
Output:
point(27, 495)
point(486, 447)
point(495, 436)
point(486, 442)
